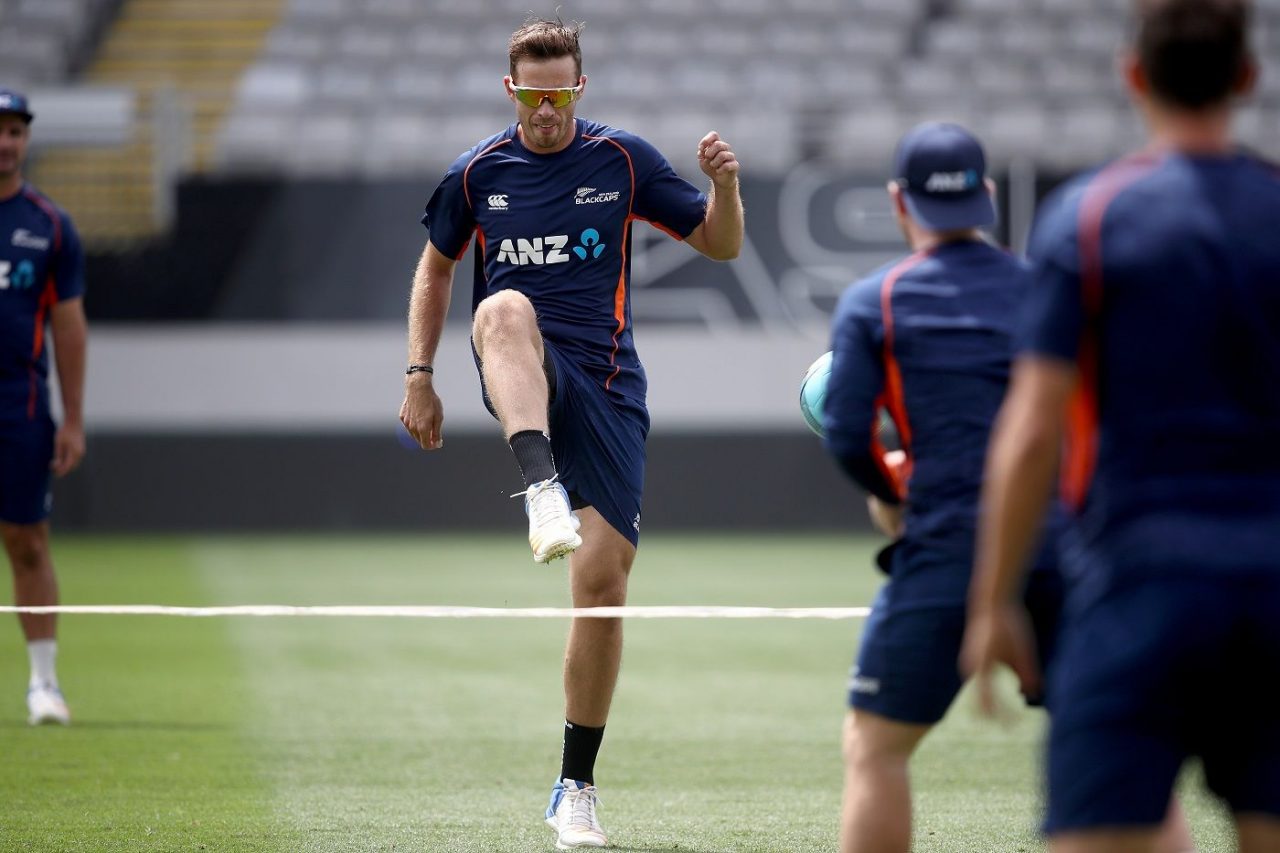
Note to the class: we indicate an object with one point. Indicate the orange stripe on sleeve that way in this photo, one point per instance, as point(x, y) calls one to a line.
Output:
point(466, 173)
point(894, 397)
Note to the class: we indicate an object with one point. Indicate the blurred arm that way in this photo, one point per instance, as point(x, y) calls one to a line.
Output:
point(1020, 473)
point(850, 414)
point(70, 333)
point(1021, 467)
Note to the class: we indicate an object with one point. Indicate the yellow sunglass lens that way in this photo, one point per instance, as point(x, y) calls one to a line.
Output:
point(534, 97)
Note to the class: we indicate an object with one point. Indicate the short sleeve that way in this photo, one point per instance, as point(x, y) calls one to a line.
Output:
point(662, 196)
point(1053, 316)
point(449, 217)
point(68, 270)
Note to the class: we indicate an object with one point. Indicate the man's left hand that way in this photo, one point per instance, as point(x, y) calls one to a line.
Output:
point(68, 449)
point(717, 161)
point(996, 635)
point(887, 518)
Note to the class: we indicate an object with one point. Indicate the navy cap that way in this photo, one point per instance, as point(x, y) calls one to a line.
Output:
point(942, 172)
point(15, 103)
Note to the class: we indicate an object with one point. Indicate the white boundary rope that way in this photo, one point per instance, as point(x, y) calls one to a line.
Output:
point(447, 612)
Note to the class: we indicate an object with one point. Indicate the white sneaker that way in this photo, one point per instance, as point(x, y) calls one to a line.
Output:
point(553, 528)
point(572, 816)
point(46, 705)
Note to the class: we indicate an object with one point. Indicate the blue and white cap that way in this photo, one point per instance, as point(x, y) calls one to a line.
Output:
point(942, 170)
point(13, 102)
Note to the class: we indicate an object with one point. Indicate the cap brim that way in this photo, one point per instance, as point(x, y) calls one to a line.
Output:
point(952, 214)
point(22, 114)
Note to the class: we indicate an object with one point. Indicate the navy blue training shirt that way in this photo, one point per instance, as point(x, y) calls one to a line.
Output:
point(929, 339)
point(557, 228)
point(1160, 277)
point(41, 264)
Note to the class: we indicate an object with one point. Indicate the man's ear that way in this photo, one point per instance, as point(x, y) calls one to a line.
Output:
point(1247, 80)
point(895, 196)
point(1135, 78)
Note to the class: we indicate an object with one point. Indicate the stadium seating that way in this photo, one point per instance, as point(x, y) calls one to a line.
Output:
point(380, 87)
point(383, 86)
point(44, 41)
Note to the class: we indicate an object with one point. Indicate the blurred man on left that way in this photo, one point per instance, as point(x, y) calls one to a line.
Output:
point(41, 284)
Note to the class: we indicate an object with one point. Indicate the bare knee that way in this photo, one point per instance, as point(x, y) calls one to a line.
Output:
point(873, 740)
point(27, 546)
point(600, 589)
point(859, 747)
point(504, 318)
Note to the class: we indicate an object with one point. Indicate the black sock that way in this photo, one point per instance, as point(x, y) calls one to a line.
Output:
point(581, 745)
point(533, 455)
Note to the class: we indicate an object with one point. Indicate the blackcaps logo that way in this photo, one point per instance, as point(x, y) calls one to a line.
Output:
point(952, 182)
point(24, 239)
point(590, 240)
point(588, 195)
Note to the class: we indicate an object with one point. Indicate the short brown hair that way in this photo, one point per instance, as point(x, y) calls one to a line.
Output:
point(540, 39)
point(1193, 52)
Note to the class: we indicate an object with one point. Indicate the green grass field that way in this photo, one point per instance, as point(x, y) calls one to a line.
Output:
point(361, 734)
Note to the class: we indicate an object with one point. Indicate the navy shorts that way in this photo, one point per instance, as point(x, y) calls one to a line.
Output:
point(26, 449)
point(597, 439)
point(1152, 674)
point(907, 667)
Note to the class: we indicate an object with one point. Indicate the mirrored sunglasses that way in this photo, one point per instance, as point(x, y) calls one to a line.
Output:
point(532, 97)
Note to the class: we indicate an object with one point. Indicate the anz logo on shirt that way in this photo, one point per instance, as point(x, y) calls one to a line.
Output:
point(21, 277)
point(549, 249)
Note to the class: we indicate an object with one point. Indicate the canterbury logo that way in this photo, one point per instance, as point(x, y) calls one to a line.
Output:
point(497, 202)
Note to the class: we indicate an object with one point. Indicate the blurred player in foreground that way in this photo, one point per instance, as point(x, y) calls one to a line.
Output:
point(1153, 348)
point(929, 338)
point(41, 284)
point(552, 200)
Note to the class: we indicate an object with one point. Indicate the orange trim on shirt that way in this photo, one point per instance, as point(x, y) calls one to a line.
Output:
point(48, 298)
point(49, 210)
point(620, 293)
point(894, 397)
point(1080, 446)
point(664, 229)
point(466, 192)
point(466, 173)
